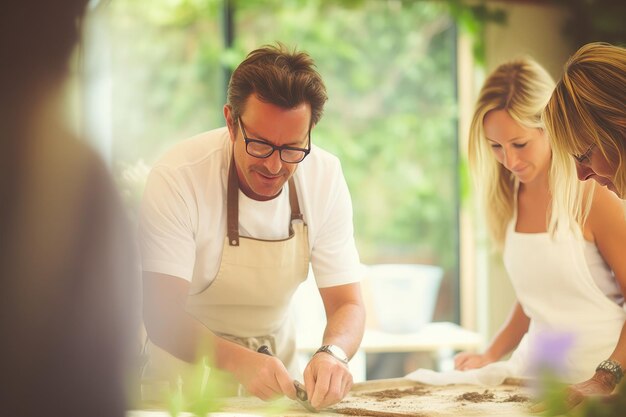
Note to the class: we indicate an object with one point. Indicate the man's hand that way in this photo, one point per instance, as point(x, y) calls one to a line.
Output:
point(601, 384)
point(327, 380)
point(464, 360)
point(264, 376)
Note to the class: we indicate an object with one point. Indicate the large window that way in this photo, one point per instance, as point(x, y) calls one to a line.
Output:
point(389, 67)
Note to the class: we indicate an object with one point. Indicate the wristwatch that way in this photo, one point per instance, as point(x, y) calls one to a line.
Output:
point(612, 367)
point(335, 351)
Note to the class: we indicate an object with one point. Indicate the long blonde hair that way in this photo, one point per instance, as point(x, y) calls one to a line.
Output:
point(588, 107)
point(522, 87)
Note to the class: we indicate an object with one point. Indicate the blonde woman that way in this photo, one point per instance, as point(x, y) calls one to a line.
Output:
point(586, 115)
point(557, 236)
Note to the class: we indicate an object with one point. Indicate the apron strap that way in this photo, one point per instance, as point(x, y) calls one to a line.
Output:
point(232, 204)
point(293, 201)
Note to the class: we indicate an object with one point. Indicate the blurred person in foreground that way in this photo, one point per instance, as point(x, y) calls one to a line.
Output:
point(66, 316)
point(561, 241)
point(586, 115)
point(231, 220)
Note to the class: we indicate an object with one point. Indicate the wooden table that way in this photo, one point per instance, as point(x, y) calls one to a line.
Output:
point(441, 339)
point(396, 397)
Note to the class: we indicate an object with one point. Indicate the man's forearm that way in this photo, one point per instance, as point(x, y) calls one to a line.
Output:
point(180, 334)
point(186, 338)
point(345, 328)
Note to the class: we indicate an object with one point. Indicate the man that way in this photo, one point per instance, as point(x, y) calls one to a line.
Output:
point(230, 221)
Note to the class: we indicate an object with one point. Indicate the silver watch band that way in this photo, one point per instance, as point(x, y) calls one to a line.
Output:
point(335, 351)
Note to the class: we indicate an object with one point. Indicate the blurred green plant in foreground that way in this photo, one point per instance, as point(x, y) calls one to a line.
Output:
point(204, 392)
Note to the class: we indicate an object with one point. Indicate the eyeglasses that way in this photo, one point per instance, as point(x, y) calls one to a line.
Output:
point(585, 158)
point(261, 149)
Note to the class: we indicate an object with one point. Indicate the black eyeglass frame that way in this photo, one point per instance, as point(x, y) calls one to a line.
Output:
point(280, 149)
point(585, 158)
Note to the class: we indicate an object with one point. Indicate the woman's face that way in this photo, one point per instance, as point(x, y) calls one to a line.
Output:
point(523, 151)
point(594, 165)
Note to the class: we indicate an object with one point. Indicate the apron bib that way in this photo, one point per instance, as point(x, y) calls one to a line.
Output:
point(249, 300)
point(558, 293)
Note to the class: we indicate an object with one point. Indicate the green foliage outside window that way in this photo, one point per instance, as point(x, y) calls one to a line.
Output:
point(389, 67)
point(390, 116)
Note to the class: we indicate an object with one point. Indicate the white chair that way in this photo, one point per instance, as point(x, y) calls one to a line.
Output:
point(401, 297)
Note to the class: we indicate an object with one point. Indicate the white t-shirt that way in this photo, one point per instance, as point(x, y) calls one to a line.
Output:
point(183, 213)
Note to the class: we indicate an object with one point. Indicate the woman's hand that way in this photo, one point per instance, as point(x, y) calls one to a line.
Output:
point(465, 360)
point(601, 384)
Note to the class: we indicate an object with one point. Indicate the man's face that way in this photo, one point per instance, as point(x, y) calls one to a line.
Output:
point(263, 178)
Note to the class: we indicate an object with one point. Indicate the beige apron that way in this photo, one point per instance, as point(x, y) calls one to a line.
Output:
point(248, 302)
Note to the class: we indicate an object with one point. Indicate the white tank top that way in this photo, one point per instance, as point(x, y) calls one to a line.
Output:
point(602, 274)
